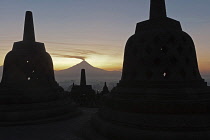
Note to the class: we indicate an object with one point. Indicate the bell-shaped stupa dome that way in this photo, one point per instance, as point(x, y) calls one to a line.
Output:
point(160, 53)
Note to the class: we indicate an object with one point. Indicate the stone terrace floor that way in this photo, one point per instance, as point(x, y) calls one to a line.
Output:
point(59, 130)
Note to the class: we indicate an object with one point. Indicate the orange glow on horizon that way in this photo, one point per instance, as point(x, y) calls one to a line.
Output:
point(65, 65)
point(204, 67)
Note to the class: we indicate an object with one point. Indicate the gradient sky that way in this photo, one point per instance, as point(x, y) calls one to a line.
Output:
point(97, 30)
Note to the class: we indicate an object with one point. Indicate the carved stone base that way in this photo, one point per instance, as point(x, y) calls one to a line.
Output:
point(133, 114)
point(123, 131)
point(37, 112)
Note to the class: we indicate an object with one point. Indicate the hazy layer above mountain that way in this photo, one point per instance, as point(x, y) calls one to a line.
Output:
point(73, 73)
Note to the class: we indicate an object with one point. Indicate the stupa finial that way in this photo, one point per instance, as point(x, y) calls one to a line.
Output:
point(29, 34)
point(83, 78)
point(157, 9)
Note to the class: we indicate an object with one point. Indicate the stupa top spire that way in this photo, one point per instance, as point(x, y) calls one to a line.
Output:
point(29, 35)
point(157, 9)
point(83, 78)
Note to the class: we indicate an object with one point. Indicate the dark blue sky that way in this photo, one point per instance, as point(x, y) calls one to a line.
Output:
point(97, 30)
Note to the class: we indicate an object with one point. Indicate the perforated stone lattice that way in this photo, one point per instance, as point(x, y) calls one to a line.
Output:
point(29, 68)
point(160, 56)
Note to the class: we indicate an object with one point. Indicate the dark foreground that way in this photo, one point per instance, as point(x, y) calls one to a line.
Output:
point(71, 129)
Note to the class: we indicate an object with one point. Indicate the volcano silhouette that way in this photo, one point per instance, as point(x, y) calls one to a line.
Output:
point(91, 72)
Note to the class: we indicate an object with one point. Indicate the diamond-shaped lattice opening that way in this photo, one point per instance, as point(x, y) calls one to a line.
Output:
point(148, 50)
point(173, 60)
point(164, 49)
point(157, 61)
point(165, 74)
point(183, 73)
point(180, 49)
point(149, 74)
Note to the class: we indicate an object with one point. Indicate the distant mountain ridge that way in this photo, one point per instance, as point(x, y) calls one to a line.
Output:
point(73, 73)
point(91, 73)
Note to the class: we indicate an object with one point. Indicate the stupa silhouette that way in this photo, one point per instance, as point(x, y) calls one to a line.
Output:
point(105, 89)
point(83, 94)
point(161, 94)
point(28, 87)
point(28, 67)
